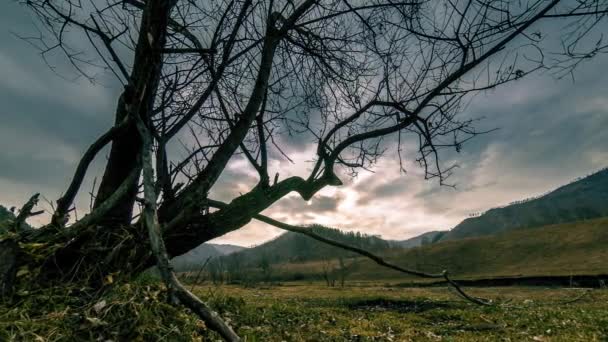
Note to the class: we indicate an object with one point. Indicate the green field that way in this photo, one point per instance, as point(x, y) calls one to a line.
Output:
point(314, 312)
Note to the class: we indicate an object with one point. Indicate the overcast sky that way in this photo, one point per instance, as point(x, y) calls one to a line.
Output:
point(550, 132)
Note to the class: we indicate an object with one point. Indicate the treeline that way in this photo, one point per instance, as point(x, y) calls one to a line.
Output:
point(293, 247)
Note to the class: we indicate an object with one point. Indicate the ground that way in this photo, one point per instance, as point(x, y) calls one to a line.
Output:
point(373, 312)
point(312, 312)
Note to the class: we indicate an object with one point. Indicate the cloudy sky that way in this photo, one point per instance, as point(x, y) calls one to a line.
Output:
point(550, 132)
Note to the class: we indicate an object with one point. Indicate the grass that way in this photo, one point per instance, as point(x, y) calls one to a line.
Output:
point(313, 312)
point(309, 312)
point(128, 312)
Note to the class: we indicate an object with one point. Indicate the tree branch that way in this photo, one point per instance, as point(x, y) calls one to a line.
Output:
point(199, 51)
point(150, 221)
point(64, 203)
point(19, 224)
point(378, 260)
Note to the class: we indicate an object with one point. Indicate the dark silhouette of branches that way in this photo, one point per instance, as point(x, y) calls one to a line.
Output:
point(233, 78)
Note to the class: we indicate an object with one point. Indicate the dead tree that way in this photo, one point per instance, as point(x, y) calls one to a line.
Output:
point(233, 78)
point(266, 268)
point(332, 273)
point(327, 272)
point(344, 270)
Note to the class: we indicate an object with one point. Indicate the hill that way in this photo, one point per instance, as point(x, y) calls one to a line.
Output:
point(5, 213)
point(563, 249)
point(586, 198)
point(293, 247)
point(420, 240)
point(197, 257)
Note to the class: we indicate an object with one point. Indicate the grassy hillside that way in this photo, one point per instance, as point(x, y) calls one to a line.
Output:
point(422, 239)
point(584, 199)
point(293, 247)
point(564, 249)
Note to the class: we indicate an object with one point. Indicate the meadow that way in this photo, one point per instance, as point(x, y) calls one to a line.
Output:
point(382, 312)
point(310, 311)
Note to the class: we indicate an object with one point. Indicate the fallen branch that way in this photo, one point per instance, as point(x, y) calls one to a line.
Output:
point(60, 215)
point(576, 299)
point(380, 261)
point(584, 294)
point(150, 221)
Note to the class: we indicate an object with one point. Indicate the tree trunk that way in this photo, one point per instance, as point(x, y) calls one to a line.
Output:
point(136, 100)
point(9, 255)
point(122, 161)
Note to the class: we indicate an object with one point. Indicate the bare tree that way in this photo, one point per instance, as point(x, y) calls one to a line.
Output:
point(344, 270)
point(327, 272)
point(332, 272)
point(234, 78)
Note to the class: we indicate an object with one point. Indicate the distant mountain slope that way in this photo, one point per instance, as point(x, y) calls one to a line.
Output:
point(195, 258)
point(298, 248)
point(574, 248)
point(584, 199)
point(228, 249)
point(422, 239)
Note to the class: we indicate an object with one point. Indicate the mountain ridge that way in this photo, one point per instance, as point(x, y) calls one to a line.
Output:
point(585, 198)
point(296, 247)
point(420, 240)
point(195, 258)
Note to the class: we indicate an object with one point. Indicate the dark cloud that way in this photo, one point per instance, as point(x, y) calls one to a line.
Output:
point(381, 189)
point(48, 117)
point(319, 204)
point(235, 180)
